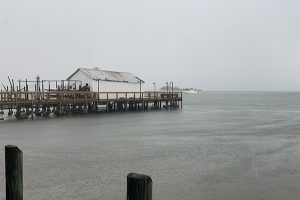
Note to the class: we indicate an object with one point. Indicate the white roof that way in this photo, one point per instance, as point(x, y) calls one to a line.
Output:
point(104, 75)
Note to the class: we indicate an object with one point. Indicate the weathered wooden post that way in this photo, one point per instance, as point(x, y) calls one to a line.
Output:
point(14, 173)
point(181, 99)
point(139, 187)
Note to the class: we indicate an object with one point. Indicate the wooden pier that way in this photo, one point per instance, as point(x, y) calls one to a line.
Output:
point(65, 102)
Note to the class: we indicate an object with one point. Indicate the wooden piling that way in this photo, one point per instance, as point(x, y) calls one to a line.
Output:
point(143, 105)
point(139, 187)
point(32, 111)
point(181, 99)
point(126, 101)
point(107, 103)
point(14, 173)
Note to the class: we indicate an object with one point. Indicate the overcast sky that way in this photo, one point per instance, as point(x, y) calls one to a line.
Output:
point(207, 44)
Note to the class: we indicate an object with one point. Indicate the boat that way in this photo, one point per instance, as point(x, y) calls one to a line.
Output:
point(191, 91)
point(21, 114)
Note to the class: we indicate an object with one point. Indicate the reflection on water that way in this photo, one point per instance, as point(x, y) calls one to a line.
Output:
point(220, 146)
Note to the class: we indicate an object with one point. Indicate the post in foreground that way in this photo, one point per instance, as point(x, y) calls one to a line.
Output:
point(139, 187)
point(14, 173)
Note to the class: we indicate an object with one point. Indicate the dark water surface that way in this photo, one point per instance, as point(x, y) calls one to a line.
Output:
point(221, 146)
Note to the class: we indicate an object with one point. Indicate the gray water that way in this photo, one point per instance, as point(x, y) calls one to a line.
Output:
point(221, 146)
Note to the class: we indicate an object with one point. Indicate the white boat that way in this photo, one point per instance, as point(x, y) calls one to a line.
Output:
point(192, 91)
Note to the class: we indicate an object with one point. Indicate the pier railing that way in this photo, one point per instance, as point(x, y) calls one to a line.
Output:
point(20, 97)
point(139, 187)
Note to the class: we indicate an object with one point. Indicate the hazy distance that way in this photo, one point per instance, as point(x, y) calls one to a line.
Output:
point(211, 45)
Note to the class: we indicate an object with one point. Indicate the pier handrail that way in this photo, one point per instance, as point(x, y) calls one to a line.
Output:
point(22, 97)
point(86, 101)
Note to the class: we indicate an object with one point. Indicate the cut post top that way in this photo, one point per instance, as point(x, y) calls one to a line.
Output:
point(12, 147)
point(138, 176)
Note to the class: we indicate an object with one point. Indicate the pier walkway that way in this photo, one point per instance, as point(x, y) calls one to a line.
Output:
point(86, 101)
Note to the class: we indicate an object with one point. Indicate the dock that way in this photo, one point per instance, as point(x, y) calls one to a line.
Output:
point(41, 103)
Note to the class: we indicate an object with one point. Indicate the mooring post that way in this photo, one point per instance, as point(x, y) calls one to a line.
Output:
point(14, 173)
point(139, 187)
point(107, 103)
point(181, 100)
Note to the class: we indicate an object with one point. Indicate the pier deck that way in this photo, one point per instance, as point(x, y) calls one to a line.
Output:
point(88, 101)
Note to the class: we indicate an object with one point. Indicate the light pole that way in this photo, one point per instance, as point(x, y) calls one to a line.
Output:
point(154, 86)
point(172, 103)
point(167, 86)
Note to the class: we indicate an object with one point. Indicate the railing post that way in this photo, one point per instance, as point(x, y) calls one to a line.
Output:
point(139, 187)
point(126, 96)
point(181, 100)
point(107, 104)
point(14, 173)
point(143, 106)
point(86, 102)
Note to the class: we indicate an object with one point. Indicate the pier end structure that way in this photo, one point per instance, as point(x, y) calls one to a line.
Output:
point(86, 90)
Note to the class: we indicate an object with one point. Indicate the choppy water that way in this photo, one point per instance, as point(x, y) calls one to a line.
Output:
point(221, 146)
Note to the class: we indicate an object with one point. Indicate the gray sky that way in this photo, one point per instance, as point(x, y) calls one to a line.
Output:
point(207, 44)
